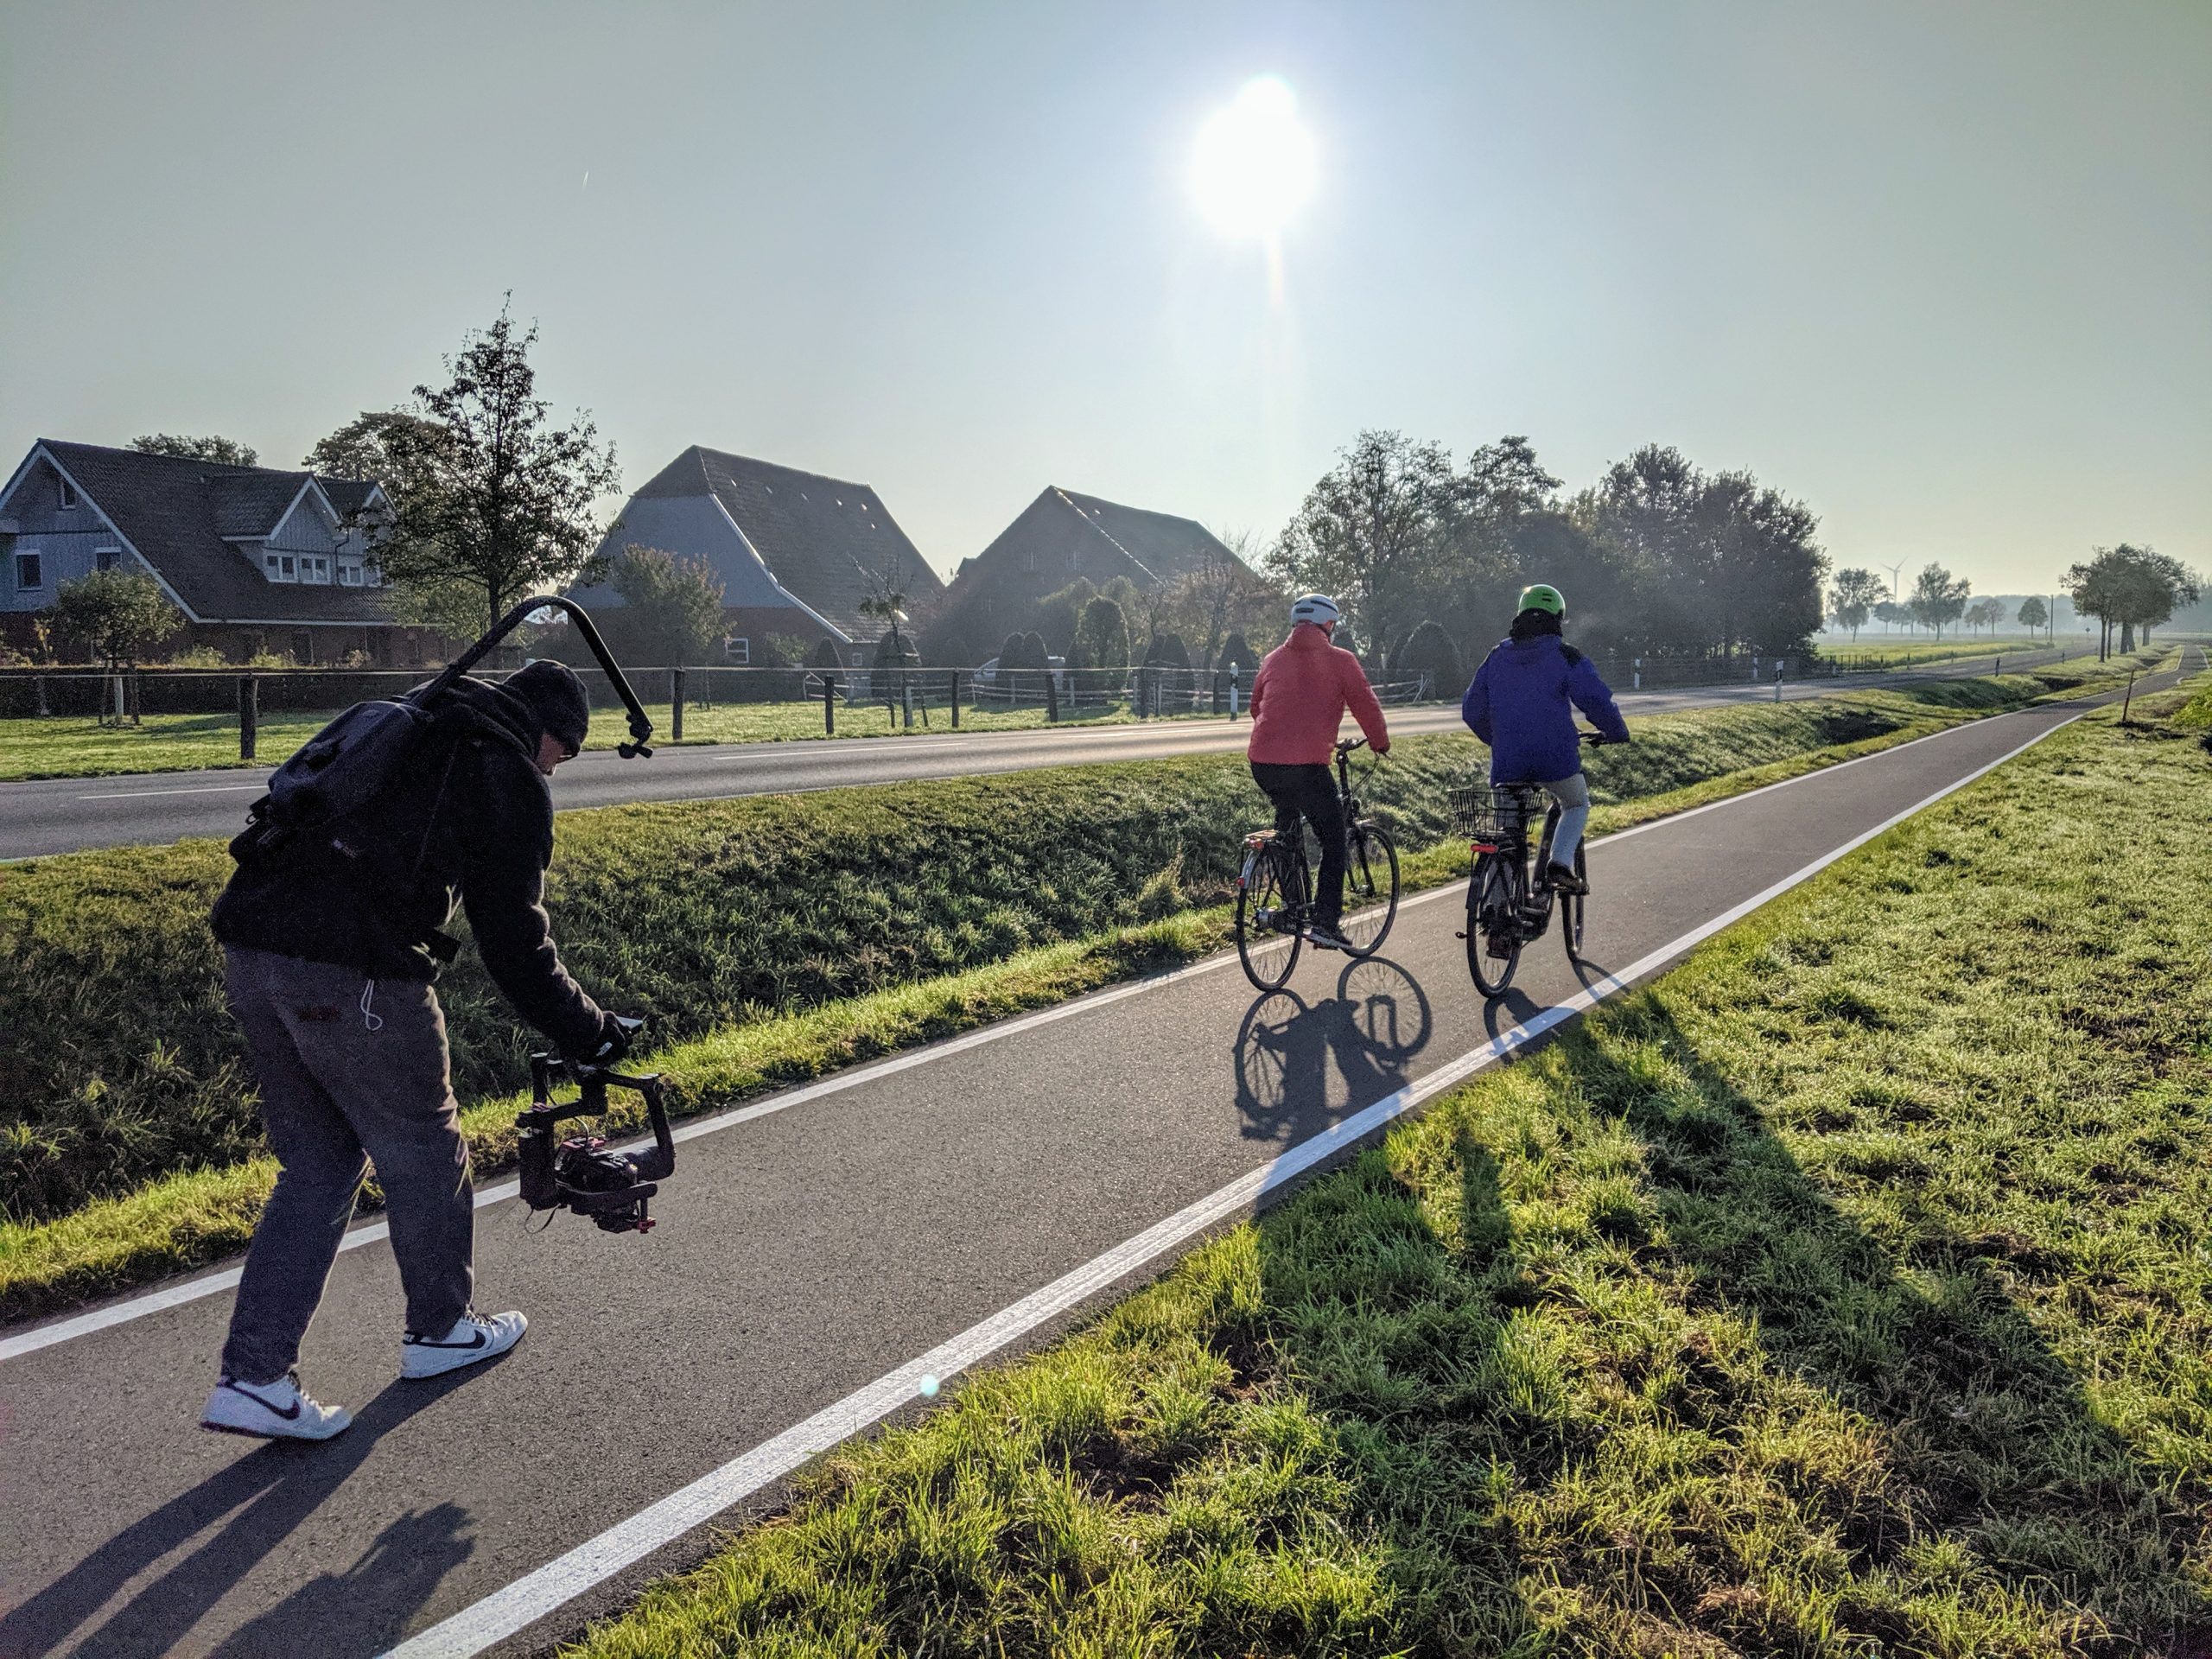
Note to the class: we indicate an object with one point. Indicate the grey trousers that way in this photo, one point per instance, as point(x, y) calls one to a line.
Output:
point(1573, 795)
point(351, 1070)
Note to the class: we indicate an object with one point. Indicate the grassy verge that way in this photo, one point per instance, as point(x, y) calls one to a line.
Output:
point(128, 1133)
point(1845, 1291)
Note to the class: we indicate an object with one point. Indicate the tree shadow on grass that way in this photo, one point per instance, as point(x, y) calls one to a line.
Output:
point(1970, 1471)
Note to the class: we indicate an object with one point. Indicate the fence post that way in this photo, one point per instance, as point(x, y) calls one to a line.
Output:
point(1236, 691)
point(830, 705)
point(1051, 697)
point(38, 686)
point(906, 697)
point(675, 705)
point(249, 715)
point(137, 696)
point(1639, 674)
point(955, 699)
point(2129, 701)
point(1778, 680)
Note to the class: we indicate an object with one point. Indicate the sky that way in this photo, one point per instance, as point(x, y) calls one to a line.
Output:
point(1943, 271)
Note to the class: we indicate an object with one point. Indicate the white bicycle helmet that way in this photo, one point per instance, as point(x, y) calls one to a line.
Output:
point(1314, 607)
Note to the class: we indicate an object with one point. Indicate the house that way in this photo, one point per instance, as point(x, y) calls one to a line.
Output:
point(1062, 534)
point(798, 552)
point(257, 559)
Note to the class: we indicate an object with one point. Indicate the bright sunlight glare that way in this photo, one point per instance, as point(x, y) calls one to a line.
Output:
point(1252, 167)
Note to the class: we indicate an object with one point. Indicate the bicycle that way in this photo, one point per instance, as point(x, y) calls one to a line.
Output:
point(1274, 888)
point(1509, 897)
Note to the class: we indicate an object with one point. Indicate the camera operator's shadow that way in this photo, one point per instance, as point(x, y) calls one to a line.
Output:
point(1378, 1021)
point(254, 1505)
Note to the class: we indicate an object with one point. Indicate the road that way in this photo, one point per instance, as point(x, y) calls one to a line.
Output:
point(819, 1252)
point(68, 814)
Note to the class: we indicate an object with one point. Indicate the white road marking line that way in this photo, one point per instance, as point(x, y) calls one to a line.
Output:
point(142, 794)
point(510, 1609)
point(192, 1290)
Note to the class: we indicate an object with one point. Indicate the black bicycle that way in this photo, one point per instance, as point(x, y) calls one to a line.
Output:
point(1274, 889)
point(1509, 894)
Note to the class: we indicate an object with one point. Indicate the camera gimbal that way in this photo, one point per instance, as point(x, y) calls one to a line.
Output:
point(578, 1171)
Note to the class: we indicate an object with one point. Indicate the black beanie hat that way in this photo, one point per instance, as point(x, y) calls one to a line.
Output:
point(552, 692)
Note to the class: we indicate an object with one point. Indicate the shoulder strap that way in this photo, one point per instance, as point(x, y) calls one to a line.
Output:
point(1573, 657)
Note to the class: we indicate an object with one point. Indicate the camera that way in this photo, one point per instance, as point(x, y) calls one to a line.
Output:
point(578, 1171)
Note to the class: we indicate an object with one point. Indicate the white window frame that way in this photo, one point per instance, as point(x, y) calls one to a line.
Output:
point(22, 587)
point(349, 575)
point(68, 500)
point(739, 648)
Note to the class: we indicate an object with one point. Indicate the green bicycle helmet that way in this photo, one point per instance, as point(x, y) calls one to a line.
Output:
point(1541, 596)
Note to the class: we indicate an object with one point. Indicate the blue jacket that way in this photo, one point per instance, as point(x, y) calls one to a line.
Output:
point(1518, 705)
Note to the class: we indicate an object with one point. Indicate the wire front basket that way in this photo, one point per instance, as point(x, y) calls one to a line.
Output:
point(1483, 813)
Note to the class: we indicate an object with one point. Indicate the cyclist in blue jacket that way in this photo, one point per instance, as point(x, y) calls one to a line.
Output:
point(1519, 705)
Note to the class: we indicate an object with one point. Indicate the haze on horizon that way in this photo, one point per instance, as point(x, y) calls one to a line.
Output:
point(1944, 274)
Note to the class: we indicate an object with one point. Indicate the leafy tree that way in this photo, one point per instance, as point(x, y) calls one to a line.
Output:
point(391, 445)
point(1891, 614)
point(785, 650)
point(1938, 597)
point(1236, 653)
point(888, 606)
point(2129, 587)
point(1370, 530)
point(1220, 595)
point(1985, 612)
point(675, 603)
point(1854, 595)
point(1101, 638)
point(2034, 615)
point(225, 452)
point(115, 615)
point(1168, 650)
point(828, 654)
point(502, 502)
point(1431, 653)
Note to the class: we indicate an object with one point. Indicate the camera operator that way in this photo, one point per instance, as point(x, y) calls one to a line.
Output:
point(331, 944)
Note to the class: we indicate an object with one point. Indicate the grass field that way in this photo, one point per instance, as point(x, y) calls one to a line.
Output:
point(129, 1142)
point(76, 747)
point(1845, 1292)
point(1895, 651)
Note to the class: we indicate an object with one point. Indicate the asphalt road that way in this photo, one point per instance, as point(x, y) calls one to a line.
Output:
point(826, 1243)
point(68, 814)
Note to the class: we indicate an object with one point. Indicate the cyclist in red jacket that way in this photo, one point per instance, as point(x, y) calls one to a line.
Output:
point(1299, 700)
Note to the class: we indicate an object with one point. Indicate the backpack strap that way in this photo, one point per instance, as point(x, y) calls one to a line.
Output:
point(1573, 657)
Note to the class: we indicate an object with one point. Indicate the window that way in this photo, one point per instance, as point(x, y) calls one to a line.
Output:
point(280, 567)
point(316, 568)
point(68, 494)
point(291, 567)
point(737, 648)
point(30, 572)
point(106, 557)
point(349, 575)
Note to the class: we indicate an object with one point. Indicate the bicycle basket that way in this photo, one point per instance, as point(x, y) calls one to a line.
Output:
point(1499, 813)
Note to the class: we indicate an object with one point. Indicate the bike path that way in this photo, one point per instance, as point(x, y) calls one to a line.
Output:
point(44, 817)
point(802, 1256)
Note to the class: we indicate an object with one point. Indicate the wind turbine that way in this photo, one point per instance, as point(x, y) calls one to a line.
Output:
point(1893, 571)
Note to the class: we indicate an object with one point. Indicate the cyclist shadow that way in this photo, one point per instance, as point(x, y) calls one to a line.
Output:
point(1288, 1050)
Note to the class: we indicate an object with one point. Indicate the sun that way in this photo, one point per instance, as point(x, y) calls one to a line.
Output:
point(1252, 167)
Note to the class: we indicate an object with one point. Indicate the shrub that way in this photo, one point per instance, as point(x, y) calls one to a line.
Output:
point(1430, 651)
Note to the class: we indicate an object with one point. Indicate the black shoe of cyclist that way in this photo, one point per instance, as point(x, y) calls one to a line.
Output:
point(1564, 879)
point(1325, 935)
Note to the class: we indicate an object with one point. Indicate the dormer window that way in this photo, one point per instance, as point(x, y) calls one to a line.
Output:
point(68, 494)
point(280, 567)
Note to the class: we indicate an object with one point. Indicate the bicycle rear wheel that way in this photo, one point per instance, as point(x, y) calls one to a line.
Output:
point(1370, 889)
point(1572, 908)
point(1262, 894)
point(1494, 922)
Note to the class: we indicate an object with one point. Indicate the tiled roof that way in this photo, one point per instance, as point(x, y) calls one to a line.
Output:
point(1166, 546)
point(827, 541)
point(1063, 534)
point(175, 509)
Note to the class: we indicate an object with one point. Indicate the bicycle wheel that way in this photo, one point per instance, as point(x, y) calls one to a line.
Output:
point(1262, 894)
point(1494, 922)
point(1571, 905)
point(1370, 889)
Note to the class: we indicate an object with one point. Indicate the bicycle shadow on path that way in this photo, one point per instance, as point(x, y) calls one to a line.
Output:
point(1497, 1379)
point(1369, 1035)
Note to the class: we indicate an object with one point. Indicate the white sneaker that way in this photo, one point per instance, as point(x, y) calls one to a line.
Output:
point(278, 1411)
point(472, 1339)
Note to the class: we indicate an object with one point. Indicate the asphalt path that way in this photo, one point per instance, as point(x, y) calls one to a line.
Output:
point(62, 815)
point(817, 1252)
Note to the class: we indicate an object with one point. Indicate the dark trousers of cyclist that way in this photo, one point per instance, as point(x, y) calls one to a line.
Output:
point(1311, 792)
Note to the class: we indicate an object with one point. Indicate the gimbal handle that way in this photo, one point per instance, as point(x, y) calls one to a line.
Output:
point(641, 725)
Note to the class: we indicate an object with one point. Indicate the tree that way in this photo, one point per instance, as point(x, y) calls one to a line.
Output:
point(1167, 650)
point(1236, 653)
point(1852, 596)
point(391, 445)
point(1102, 636)
point(1369, 530)
point(1430, 655)
point(2132, 587)
point(1891, 614)
point(1938, 597)
point(224, 452)
point(2034, 615)
point(502, 505)
point(1220, 595)
point(1986, 612)
point(675, 603)
point(115, 615)
point(888, 606)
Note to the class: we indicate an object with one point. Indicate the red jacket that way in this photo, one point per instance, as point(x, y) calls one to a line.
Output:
point(1298, 699)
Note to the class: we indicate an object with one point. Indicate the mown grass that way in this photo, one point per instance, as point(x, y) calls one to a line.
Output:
point(1845, 1292)
point(130, 1140)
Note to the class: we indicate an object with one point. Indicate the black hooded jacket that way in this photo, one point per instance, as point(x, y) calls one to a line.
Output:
point(473, 820)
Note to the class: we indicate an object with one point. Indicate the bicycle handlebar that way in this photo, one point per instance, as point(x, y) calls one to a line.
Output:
point(1345, 745)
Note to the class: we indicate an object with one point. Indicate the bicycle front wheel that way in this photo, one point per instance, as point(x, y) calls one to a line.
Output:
point(1370, 889)
point(1494, 923)
point(1262, 894)
point(1572, 908)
